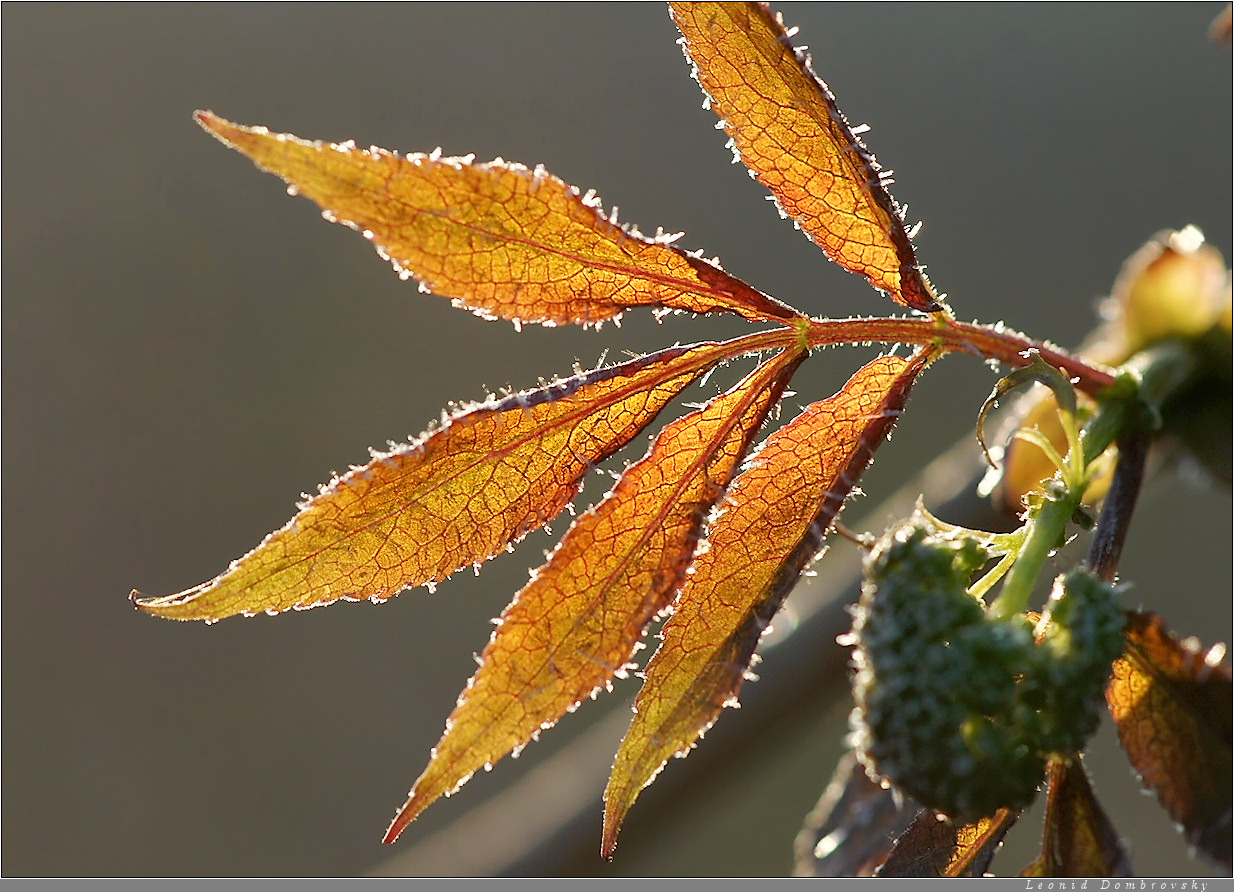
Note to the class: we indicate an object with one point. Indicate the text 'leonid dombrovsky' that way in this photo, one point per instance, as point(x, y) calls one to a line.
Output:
point(1139, 885)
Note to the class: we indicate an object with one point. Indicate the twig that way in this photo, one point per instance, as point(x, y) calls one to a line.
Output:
point(1107, 545)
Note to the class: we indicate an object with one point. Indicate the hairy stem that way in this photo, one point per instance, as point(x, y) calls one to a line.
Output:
point(1045, 535)
point(986, 341)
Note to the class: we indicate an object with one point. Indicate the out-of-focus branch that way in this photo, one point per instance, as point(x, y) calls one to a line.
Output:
point(1107, 545)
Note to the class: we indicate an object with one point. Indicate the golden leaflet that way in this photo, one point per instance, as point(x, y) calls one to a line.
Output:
point(787, 129)
point(500, 239)
point(456, 497)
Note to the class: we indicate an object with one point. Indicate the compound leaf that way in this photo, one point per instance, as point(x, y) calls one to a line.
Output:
point(581, 617)
point(457, 496)
point(499, 239)
point(770, 526)
point(786, 128)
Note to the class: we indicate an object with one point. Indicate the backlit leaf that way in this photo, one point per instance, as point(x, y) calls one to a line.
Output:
point(771, 526)
point(1172, 704)
point(457, 496)
point(499, 239)
point(935, 847)
point(580, 619)
point(787, 129)
point(1079, 840)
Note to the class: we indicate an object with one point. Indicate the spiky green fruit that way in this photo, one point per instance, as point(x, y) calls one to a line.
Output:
point(955, 708)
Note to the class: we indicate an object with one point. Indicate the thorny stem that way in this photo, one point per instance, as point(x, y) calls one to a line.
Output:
point(989, 342)
point(941, 334)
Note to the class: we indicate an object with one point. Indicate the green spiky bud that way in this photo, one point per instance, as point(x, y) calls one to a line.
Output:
point(938, 712)
point(960, 709)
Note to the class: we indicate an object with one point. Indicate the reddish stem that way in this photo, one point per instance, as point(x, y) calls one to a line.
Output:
point(989, 342)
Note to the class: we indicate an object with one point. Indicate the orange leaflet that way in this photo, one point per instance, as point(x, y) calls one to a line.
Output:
point(772, 524)
point(786, 128)
point(499, 239)
point(579, 620)
point(1079, 840)
point(1171, 702)
point(457, 496)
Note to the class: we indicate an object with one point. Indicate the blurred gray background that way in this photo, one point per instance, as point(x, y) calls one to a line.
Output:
point(186, 349)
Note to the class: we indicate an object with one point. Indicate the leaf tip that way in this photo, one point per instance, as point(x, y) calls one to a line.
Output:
point(149, 607)
point(614, 816)
point(142, 604)
point(221, 129)
point(619, 797)
point(408, 813)
point(145, 605)
point(608, 848)
point(183, 606)
point(208, 121)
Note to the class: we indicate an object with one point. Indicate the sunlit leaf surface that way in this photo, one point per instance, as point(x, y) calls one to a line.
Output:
point(771, 525)
point(500, 239)
point(579, 620)
point(788, 131)
point(1079, 840)
point(455, 497)
point(1172, 704)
